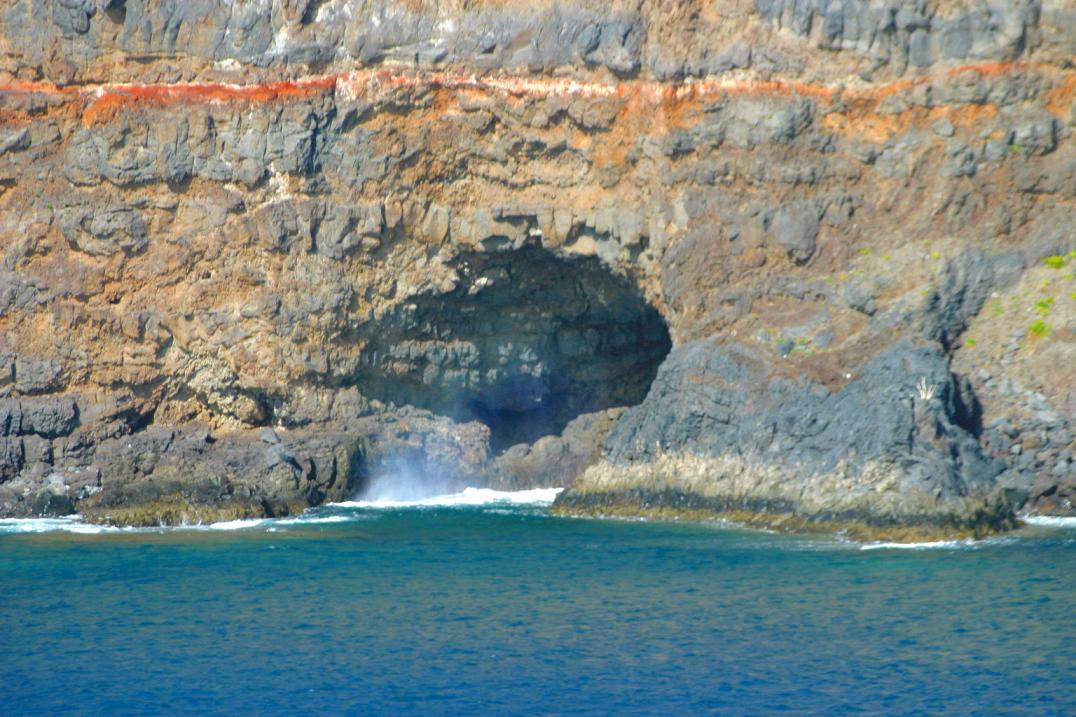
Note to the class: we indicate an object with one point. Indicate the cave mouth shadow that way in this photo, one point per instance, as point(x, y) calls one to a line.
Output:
point(525, 342)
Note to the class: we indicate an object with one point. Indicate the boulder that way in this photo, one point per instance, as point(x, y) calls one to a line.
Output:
point(795, 228)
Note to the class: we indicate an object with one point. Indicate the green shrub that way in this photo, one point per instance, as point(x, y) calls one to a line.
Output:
point(1039, 329)
point(1042, 306)
point(1054, 262)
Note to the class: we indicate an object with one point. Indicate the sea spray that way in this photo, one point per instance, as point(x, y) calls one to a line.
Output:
point(404, 478)
point(466, 497)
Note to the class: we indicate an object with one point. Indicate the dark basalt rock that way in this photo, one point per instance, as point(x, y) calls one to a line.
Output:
point(158, 475)
point(620, 38)
point(555, 461)
point(883, 444)
point(796, 229)
point(46, 416)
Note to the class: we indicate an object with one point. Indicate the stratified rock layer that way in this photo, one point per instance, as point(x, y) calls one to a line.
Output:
point(273, 250)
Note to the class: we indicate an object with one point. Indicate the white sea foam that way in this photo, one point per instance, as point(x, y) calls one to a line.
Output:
point(315, 519)
point(1050, 521)
point(270, 522)
point(231, 524)
point(74, 524)
point(930, 545)
point(49, 525)
point(469, 497)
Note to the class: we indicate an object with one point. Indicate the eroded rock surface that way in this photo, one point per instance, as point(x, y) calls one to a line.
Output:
point(725, 431)
point(462, 237)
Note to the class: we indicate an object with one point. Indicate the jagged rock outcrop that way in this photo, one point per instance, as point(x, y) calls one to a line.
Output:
point(445, 231)
point(726, 431)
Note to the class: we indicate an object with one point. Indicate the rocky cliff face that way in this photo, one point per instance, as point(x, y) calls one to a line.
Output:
point(257, 254)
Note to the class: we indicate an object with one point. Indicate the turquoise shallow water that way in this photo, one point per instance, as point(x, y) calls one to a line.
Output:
point(505, 610)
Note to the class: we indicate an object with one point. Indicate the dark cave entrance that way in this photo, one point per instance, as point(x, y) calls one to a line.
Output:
point(526, 342)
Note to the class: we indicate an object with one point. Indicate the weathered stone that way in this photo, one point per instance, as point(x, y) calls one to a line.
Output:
point(34, 376)
point(796, 229)
point(962, 290)
point(107, 231)
point(15, 141)
point(1035, 137)
point(73, 16)
point(711, 412)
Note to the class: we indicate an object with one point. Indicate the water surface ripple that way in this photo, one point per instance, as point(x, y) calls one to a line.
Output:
point(498, 608)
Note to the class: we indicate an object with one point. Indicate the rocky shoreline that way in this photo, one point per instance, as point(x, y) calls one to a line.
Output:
point(806, 265)
point(887, 449)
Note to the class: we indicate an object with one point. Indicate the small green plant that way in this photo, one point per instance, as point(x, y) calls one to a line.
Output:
point(1042, 306)
point(865, 251)
point(886, 257)
point(996, 309)
point(1054, 262)
point(1038, 329)
point(1016, 147)
point(935, 255)
point(970, 343)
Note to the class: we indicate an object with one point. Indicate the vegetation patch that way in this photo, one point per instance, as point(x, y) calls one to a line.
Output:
point(1042, 306)
point(1039, 329)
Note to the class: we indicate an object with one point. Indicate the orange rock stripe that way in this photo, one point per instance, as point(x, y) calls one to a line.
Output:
point(103, 99)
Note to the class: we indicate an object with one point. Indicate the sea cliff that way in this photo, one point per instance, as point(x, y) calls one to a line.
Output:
point(808, 264)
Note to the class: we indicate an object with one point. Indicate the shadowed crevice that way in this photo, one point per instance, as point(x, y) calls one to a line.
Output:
point(526, 342)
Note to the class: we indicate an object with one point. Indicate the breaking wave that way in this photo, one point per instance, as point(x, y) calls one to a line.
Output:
point(468, 497)
point(929, 545)
point(1050, 521)
point(328, 514)
point(49, 525)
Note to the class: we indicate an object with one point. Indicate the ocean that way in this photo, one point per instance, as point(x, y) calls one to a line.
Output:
point(484, 603)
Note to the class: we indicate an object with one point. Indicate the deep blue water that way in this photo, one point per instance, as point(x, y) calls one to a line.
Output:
point(506, 610)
